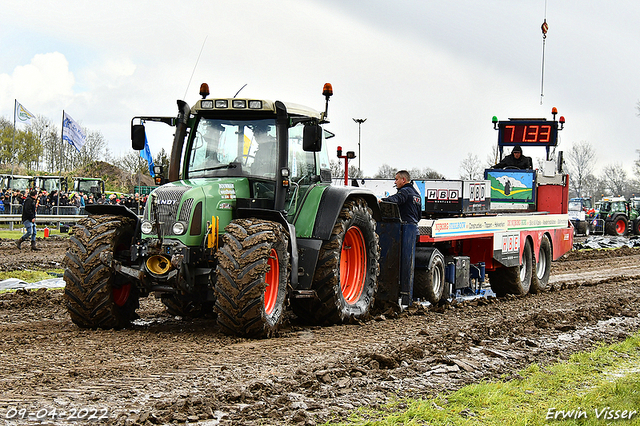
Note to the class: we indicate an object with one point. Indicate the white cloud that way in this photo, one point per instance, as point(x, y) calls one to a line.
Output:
point(427, 76)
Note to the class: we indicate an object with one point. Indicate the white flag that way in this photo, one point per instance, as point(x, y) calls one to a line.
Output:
point(22, 115)
point(71, 132)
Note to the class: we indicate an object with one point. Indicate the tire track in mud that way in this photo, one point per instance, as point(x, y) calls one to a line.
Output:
point(170, 370)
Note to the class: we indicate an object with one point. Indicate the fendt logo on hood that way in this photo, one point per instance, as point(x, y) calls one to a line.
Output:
point(166, 202)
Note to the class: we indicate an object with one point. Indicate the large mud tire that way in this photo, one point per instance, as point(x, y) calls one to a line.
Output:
point(618, 226)
point(430, 283)
point(542, 267)
point(252, 278)
point(516, 279)
point(346, 276)
point(94, 295)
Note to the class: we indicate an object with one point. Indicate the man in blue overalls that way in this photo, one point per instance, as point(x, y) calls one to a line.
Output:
point(407, 198)
point(409, 204)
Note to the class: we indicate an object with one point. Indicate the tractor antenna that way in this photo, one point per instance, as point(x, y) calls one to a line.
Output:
point(236, 95)
point(194, 68)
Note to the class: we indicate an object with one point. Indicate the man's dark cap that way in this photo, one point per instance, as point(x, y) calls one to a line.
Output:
point(517, 148)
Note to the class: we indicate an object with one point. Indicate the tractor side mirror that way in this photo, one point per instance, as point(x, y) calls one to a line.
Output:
point(312, 138)
point(138, 136)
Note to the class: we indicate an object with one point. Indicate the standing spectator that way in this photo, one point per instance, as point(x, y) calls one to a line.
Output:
point(75, 203)
point(2, 203)
point(6, 202)
point(29, 220)
point(42, 202)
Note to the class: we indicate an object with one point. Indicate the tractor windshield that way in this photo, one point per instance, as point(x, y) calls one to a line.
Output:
point(233, 148)
point(89, 186)
point(575, 206)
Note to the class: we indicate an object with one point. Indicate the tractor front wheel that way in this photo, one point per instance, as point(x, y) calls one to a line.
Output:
point(252, 278)
point(95, 296)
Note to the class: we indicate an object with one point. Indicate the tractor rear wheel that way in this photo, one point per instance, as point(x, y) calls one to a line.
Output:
point(252, 278)
point(346, 276)
point(95, 296)
point(542, 267)
point(514, 279)
point(618, 226)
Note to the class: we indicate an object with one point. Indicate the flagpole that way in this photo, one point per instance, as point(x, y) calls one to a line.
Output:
point(13, 151)
point(13, 138)
point(60, 174)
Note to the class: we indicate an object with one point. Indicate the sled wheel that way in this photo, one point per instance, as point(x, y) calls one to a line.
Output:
point(346, 276)
point(429, 283)
point(252, 278)
point(95, 296)
point(514, 279)
point(542, 267)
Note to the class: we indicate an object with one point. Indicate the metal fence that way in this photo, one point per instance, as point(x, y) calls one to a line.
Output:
point(54, 220)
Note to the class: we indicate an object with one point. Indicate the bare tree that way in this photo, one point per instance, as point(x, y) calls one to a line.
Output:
point(385, 172)
point(580, 164)
point(470, 167)
point(615, 179)
point(425, 173)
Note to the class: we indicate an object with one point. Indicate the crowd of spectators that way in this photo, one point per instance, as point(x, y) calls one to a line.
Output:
point(70, 203)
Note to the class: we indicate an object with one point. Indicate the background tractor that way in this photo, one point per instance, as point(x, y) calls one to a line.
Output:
point(619, 216)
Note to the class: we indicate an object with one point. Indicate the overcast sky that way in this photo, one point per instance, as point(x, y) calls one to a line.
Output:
point(428, 76)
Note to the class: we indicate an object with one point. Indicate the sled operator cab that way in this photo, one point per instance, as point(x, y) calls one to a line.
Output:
point(544, 190)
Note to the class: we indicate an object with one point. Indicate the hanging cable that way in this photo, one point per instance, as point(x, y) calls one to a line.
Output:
point(544, 28)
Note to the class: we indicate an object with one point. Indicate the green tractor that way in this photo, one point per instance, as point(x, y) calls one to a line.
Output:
point(247, 225)
point(620, 216)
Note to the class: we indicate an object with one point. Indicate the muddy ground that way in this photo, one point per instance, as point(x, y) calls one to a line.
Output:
point(164, 370)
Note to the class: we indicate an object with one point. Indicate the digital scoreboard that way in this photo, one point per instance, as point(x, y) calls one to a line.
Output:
point(528, 133)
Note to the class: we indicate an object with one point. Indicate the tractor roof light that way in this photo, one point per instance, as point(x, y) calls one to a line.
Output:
point(327, 90)
point(561, 122)
point(239, 103)
point(204, 90)
point(494, 120)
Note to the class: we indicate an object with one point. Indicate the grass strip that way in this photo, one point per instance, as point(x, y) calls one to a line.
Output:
point(599, 387)
point(30, 276)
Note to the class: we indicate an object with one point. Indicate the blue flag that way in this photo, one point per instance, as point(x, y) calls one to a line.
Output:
point(146, 154)
point(72, 132)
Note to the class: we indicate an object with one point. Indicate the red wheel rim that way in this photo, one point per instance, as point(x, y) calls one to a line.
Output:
point(121, 294)
point(272, 278)
point(353, 263)
point(620, 226)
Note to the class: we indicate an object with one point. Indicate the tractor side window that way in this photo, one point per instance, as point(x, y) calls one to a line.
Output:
point(302, 164)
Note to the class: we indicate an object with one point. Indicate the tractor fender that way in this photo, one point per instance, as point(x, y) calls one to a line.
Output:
point(112, 209)
point(333, 198)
